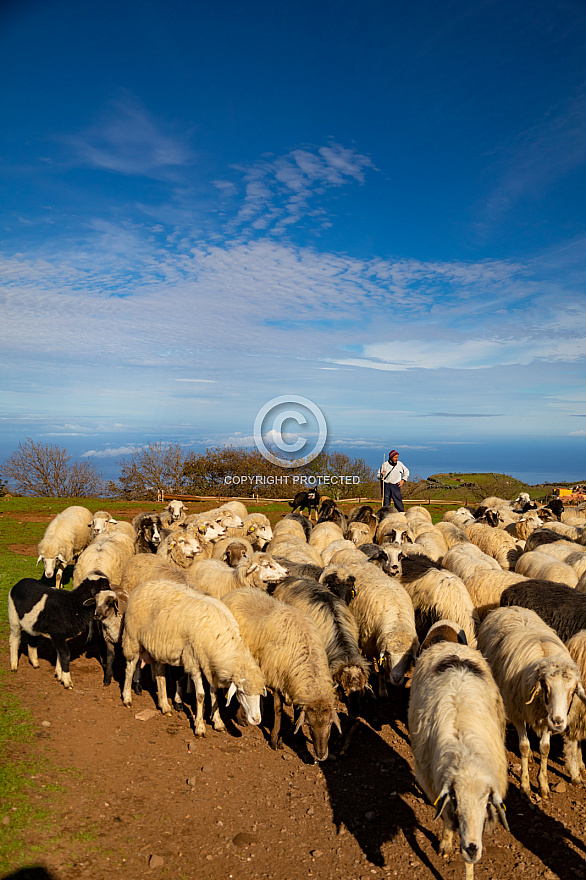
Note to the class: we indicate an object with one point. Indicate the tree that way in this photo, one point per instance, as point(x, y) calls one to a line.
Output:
point(44, 470)
point(156, 468)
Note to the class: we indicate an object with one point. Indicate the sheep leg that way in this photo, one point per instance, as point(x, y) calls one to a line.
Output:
point(447, 840)
point(544, 752)
point(200, 725)
point(382, 685)
point(62, 662)
point(216, 718)
point(573, 761)
point(131, 666)
point(524, 749)
point(160, 678)
point(275, 732)
point(32, 647)
point(469, 871)
point(14, 642)
point(109, 665)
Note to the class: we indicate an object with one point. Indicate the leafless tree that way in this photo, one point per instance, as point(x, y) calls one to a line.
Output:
point(155, 468)
point(44, 470)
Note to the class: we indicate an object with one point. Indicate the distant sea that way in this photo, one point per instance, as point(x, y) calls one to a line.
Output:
point(531, 460)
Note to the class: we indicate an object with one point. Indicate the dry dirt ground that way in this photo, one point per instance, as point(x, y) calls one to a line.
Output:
point(144, 798)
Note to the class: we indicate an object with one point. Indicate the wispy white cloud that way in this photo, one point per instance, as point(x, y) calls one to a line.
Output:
point(541, 155)
point(129, 140)
point(281, 190)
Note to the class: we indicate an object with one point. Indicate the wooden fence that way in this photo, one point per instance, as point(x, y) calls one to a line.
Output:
point(255, 499)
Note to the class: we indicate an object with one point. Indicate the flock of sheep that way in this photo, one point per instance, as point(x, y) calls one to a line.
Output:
point(489, 605)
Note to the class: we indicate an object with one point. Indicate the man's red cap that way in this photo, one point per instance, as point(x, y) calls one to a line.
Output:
point(393, 452)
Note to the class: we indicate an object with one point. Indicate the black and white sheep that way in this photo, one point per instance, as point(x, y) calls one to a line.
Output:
point(337, 626)
point(40, 610)
point(148, 528)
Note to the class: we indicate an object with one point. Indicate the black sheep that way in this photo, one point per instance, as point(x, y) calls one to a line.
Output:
point(561, 607)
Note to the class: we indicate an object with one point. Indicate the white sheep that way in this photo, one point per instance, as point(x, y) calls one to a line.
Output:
point(294, 550)
point(540, 565)
point(537, 678)
point(438, 594)
point(107, 556)
point(237, 507)
point(174, 514)
point(433, 542)
point(460, 517)
point(576, 729)
point(334, 548)
point(466, 559)
point(181, 627)
point(289, 528)
point(324, 534)
point(148, 567)
point(452, 533)
point(486, 588)
point(101, 521)
point(183, 546)
point(109, 612)
point(231, 550)
point(386, 622)
point(359, 533)
point(66, 536)
point(290, 652)
point(457, 732)
point(496, 543)
point(216, 578)
point(256, 528)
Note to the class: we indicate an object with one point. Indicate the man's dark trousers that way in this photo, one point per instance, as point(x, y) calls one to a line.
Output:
point(392, 491)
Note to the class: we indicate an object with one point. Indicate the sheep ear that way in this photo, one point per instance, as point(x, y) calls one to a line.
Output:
point(231, 691)
point(441, 801)
point(252, 567)
point(462, 637)
point(300, 721)
point(39, 559)
point(88, 602)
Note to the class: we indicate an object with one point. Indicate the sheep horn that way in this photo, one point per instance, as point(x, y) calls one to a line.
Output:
point(441, 801)
point(581, 693)
point(534, 693)
point(39, 559)
point(231, 691)
point(300, 721)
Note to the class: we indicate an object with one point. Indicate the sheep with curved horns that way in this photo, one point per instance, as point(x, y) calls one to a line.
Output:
point(537, 678)
point(181, 627)
point(457, 732)
point(107, 556)
point(337, 627)
point(216, 578)
point(290, 652)
point(66, 536)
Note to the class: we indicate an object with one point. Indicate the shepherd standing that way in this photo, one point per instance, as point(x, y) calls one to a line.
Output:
point(393, 474)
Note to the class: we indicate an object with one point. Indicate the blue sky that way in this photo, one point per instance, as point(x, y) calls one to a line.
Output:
point(379, 207)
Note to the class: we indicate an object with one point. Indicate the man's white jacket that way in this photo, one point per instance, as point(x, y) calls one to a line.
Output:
point(389, 473)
